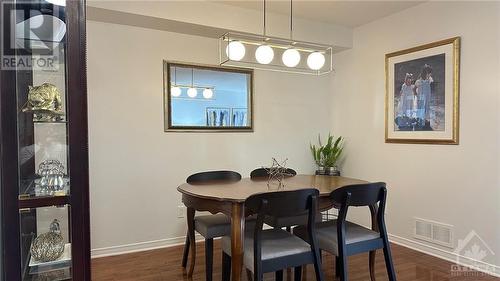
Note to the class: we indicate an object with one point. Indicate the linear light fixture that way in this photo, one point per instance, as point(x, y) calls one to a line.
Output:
point(273, 53)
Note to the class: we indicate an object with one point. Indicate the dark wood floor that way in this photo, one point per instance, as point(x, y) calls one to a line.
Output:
point(165, 264)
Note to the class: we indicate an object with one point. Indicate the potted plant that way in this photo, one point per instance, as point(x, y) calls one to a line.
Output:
point(318, 157)
point(326, 156)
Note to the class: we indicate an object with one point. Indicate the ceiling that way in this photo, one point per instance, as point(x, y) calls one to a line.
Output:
point(347, 13)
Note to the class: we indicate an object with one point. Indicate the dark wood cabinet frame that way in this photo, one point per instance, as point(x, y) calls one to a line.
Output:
point(78, 200)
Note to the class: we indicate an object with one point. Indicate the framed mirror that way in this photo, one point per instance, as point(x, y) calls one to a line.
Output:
point(207, 98)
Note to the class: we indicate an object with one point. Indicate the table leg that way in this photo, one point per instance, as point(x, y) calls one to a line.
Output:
point(237, 239)
point(372, 255)
point(190, 220)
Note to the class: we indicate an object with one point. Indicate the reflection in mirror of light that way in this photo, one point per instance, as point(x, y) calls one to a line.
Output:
point(208, 93)
point(175, 91)
point(192, 92)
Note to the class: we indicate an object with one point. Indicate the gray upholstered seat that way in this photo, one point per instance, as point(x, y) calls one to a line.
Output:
point(211, 226)
point(326, 234)
point(276, 243)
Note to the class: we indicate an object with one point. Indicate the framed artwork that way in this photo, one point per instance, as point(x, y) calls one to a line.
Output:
point(422, 94)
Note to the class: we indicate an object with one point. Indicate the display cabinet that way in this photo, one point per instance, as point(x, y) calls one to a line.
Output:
point(44, 145)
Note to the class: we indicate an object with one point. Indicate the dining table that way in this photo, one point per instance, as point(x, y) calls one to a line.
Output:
point(229, 198)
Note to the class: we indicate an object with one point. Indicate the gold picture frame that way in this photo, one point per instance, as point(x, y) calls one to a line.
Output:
point(422, 94)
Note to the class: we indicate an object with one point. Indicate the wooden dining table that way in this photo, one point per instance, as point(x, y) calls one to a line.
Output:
point(229, 198)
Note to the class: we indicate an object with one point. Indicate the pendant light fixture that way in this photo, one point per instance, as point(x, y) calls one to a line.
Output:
point(264, 53)
point(233, 46)
point(315, 60)
point(235, 50)
point(291, 57)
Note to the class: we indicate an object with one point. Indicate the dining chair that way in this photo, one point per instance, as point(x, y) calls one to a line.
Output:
point(279, 222)
point(272, 250)
point(209, 226)
point(264, 172)
point(343, 238)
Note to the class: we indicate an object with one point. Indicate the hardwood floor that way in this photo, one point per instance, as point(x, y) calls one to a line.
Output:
point(165, 264)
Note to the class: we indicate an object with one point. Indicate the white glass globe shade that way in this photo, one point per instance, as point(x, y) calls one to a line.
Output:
point(192, 92)
point(264, 54)
point(175, 91)
point(208, 93)
point(316, 60)
point(235, 50)
point(291, 57)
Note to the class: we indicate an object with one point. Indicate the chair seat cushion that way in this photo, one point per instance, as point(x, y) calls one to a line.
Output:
point(211, 226)
point(326, 234)
point(276, 243)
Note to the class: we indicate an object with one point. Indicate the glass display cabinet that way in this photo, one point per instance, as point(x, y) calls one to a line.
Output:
point(44, 141)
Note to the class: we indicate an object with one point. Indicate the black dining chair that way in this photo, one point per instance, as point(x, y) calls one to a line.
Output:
point(285, 221)
point(264, 172)
point(209, 226)
point(273, 250)
point(343, 238)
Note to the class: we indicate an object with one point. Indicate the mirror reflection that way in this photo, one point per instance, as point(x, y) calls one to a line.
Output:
point(207, 98)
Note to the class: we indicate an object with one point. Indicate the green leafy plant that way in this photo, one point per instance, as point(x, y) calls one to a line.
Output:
point(317, 154)
point(327, 155)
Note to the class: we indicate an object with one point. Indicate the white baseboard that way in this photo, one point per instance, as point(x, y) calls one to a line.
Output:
point(444, 254)
point(139, 247)
point(408, 243)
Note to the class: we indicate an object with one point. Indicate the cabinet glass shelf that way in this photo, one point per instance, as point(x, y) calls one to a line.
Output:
point(50, 122)
point(32, 189)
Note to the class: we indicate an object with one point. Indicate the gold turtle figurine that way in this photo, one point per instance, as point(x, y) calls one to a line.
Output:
point(44, 102)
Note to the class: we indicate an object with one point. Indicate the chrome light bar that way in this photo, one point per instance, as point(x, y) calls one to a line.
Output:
point(278, 54)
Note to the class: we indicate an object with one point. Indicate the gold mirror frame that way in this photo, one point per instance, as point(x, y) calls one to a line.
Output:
point(167, 98)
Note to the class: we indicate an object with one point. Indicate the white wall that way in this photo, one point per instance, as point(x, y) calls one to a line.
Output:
point(135, 167)
point(458, 185)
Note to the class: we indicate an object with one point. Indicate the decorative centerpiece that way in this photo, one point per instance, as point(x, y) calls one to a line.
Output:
point(48, 246)
point(44, 102)
point(51, 174)
point(277, 173)
point(326, 156)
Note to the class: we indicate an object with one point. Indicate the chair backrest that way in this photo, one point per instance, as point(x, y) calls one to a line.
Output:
point(263, 172)
point(282, 203)
point(229, 176)
point(359, 195)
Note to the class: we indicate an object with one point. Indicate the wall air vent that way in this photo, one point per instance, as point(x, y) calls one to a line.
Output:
point(434, 232)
